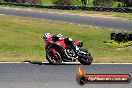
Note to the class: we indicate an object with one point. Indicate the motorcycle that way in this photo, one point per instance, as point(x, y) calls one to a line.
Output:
point(59, 51)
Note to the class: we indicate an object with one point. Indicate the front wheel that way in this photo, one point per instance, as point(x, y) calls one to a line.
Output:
point(85, 57)
point(53, 59)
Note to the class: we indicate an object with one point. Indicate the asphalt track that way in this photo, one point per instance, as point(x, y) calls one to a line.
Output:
point(86, 20)
point(26, 75)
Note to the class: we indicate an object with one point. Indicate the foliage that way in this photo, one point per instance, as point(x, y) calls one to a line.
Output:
point(63, 2)
point(107, 3)
point(118, 44)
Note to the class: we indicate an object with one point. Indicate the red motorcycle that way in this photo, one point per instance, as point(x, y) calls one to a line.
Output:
point(59, 51)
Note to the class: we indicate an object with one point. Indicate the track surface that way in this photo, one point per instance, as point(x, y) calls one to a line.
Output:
point(60, 76)
point(87, 20)
point(14, 75)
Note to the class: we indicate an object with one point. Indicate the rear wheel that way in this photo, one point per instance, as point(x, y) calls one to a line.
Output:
point(85, 58)
point(53, 59)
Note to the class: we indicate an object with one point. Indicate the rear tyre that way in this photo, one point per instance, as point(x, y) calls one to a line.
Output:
point(53, 59)
point(85, 59)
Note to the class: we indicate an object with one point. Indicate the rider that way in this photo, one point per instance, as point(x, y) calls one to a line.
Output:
point(49, 38)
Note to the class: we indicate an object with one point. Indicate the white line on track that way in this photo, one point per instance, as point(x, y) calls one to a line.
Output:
point(1, 14)
point(65, 63)
point(14, 62)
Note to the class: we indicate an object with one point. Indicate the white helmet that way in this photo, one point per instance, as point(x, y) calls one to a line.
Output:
point(46, 36)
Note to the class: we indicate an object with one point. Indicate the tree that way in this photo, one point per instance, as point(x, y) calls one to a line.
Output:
point(128, 3)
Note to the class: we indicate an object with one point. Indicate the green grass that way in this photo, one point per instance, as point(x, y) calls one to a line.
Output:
point(21, 39)
point(117, 4)
point(47, 2)
point(75, 2)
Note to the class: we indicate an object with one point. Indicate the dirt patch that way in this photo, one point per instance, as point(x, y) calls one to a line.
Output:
point(124, 48)
point(100, 15)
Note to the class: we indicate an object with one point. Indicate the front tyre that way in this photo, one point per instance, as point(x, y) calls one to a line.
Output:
point(53, 59)
point(84, 57)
